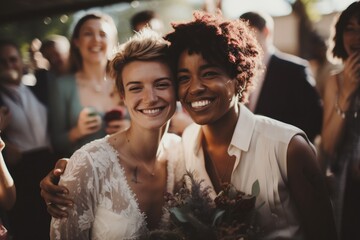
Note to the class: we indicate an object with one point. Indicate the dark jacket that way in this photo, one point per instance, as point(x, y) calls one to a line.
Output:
point(288, 94)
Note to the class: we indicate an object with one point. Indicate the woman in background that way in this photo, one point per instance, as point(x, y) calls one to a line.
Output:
point(79, 100)
point(341, 123)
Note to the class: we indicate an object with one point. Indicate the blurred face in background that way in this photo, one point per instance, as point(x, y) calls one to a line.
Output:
point(58, 57)
point(96, 41)
point(351, 37)
point(11, 65)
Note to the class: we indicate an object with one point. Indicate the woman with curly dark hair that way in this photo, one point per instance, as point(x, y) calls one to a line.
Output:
point(216, 61)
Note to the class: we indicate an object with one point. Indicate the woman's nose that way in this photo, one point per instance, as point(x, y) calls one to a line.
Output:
point(150, 96)
point(196, 85)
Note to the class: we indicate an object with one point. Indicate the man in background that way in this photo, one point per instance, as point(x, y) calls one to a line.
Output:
point(286, 88)
point(55, 51)
point(28, 152)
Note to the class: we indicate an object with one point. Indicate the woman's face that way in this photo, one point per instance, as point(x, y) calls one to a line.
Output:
point(205, 90)
point(95, 41)
point(149, 93)
point(351, 37)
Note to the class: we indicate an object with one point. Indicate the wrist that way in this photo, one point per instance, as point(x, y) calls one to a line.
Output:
point(342, 107)
point(74, 134)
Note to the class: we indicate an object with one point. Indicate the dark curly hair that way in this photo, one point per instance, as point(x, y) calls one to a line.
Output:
point(227, 43)
point(337, 47)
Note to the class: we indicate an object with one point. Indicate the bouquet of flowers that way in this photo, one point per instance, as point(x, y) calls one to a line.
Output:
point(195, 215)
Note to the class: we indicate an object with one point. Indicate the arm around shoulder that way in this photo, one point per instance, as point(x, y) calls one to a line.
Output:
point(79, 179)
point(308, 189)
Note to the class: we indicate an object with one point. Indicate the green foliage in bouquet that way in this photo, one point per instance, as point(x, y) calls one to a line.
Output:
point(194, 215)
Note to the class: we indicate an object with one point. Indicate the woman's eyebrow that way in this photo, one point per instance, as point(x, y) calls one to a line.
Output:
point(205, 66)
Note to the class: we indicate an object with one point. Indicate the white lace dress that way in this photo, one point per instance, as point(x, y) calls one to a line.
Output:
point(105, 207)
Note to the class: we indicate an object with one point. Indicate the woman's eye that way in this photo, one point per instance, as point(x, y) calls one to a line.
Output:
point(182, 79)
point(87, 33)
point(350, 29)
point(163, 85)
point(134, 89)
point(103, 35)
point(210, 74)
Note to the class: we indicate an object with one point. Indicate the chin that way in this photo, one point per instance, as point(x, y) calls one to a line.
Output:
point(200, 120)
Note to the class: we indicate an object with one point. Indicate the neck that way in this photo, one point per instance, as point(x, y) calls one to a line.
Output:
point(221, 131)
point(95, 73)
point(149, 142)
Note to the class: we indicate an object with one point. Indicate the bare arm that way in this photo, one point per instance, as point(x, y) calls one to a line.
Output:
point(53, 194)
point(338, 96)
point(333, 123)
point(7, 187)
point(308, 189)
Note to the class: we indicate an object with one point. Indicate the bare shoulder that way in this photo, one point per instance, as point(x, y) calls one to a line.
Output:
point(300, 147)
point(301, 162)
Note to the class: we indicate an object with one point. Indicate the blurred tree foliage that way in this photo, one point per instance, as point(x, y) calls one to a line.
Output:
point(23, 32)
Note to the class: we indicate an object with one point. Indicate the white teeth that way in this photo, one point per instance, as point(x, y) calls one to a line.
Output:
point(95, 49)
point(151, 111)
point(201, 103)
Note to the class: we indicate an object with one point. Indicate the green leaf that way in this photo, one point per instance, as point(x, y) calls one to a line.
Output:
point(180, 214)
point(255, 190)
point(260, 205)
point(218, 214)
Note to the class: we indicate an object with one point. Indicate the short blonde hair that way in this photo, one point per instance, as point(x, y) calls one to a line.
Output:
point(145, 45)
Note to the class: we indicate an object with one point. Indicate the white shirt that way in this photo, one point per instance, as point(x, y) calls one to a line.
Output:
point(27, 127)
point(260, 147)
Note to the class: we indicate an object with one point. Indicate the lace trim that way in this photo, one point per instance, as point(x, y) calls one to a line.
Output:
point(123, 179)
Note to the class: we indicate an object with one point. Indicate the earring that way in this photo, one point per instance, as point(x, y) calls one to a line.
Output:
point(240, 89)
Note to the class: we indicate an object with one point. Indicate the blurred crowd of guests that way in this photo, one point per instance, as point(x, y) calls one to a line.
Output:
point(74, 101)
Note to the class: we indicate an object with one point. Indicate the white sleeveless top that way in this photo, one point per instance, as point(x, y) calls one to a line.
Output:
point(105, 206)
point(260, 147)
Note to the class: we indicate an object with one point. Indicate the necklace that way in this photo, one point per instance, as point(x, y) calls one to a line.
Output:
point(136, 169)
point(96, 86)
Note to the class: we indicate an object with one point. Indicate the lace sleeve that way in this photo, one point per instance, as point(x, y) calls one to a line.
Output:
point(80, 178)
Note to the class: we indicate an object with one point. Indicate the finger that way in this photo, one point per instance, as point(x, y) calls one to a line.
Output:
point(92, 119)
point(118, 123)
point(93, 125)
point(56, 212)
point(60, 166)
point(62, 200)
point(121, 124)
point(111, 130)
point(47, 186)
